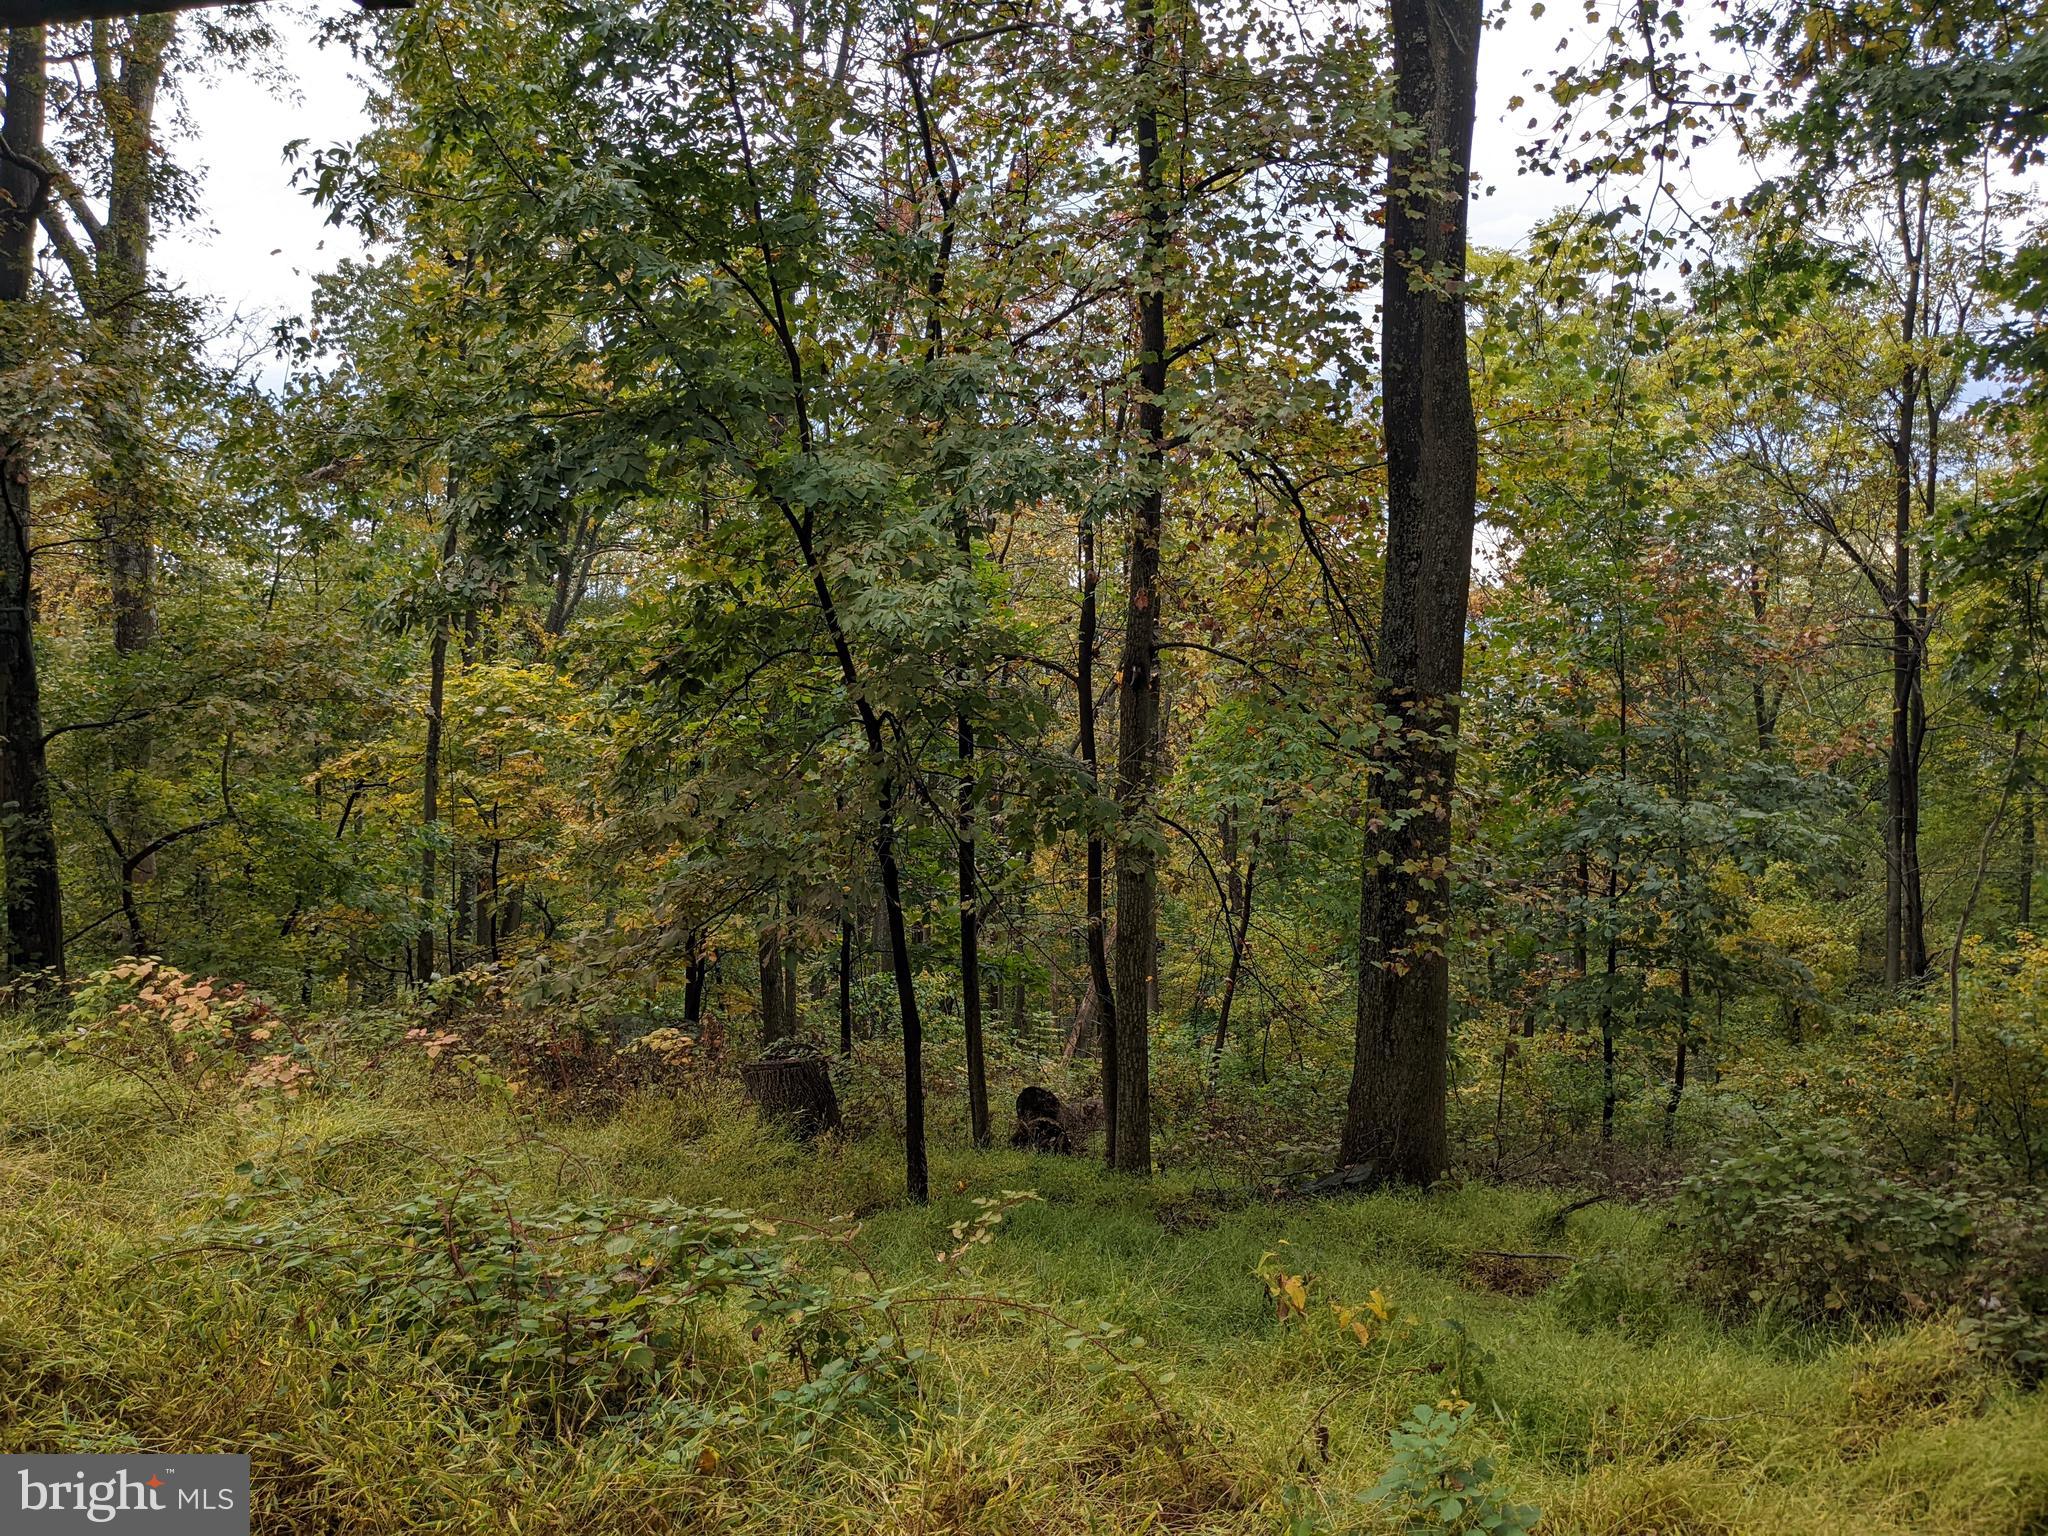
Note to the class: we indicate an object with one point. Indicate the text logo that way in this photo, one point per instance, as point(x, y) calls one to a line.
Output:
point(143, 1494)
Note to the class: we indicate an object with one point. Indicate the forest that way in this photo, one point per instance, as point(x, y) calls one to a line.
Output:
point(927, 767)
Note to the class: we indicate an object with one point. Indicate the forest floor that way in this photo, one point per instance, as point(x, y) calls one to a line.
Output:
point(1608, 1400)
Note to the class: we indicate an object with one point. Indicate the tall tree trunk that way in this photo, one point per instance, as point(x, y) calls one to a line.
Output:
point(430, 765)
point(694, 971)
point(778, 1006)
point(1137, 722)
point(970, 921)
point(916, 1168)
point(1762, 705)
point(917, 1174)
point(1581, 960)
point(1681, 866)
point(112, 285)
point(1394, 1118)
point(2023, 881)
point(946, 190)
point(128, 100)
point(1609, 1093)
point(35, 913)
point(1240, 893)
point(1905, 956)
point(846, 985)
point(1098, 1006)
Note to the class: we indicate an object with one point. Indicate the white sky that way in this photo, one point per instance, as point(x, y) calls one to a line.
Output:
point(262, 241)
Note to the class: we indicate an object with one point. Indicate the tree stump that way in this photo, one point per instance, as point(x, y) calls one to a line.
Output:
point(796, 1090)
point(1041, 1127)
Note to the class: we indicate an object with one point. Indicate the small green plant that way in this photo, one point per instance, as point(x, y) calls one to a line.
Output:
point(1433, 1485)
point(981, 1231)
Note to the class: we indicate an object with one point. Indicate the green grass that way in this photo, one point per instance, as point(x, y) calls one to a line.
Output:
point(108, 1340)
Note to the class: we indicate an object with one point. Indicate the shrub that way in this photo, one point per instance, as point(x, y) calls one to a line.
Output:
point(183, 1037)
point(2005, 1293)
point(1808, 1223)
point(580, 1310)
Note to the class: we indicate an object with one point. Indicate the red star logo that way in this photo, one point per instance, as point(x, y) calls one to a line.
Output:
point(155, 1481)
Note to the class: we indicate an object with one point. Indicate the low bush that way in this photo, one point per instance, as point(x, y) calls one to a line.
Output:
point(1808, 1223)
point(185, 1039)
point(580, 1310)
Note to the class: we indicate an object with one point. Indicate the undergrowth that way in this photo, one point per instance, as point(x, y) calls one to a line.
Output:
point(1045, 1348)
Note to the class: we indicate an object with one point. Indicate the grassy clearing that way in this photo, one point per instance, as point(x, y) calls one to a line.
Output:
point(1614, 1419)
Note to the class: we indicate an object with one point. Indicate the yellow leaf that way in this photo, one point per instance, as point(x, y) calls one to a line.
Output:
point(707, 1460)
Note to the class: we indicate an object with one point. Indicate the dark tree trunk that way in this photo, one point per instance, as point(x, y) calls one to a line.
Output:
point(846, 985)
point(430, 768)
point(946, 189)
point(970, 939)
point(1395, 1116)
point(1762, 704)
point(1608, 1092)
point(109, 267)
point(1679, 1056)
point(35, 913)
point(1097, 1016)
point(572, 573)
point(1581, 960)
point(1682, 775)
point(694, 971)
point(778, 998)
point(1905, 952)
point(1240, 895)
point(122, 283)
point(917, 1174)
point(1608, 1089)
point(2023, 881)
point(1137, 721)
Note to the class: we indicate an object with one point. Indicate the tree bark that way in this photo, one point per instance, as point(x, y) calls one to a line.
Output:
point(108, 261)
point(1137, 722)
point(430, 764)
point(1762, 705)
point(2023, 883)
point(795, 1089)
point(1098, 1007)
point(694, 972)
point(128, 101)
point(1394, 1118)
point(1240, 900)
point(35, 915)
point(946, 190)
point(970, 928)
point(846, 985)
point(778, 997)
point(1905, 953)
